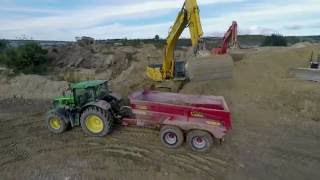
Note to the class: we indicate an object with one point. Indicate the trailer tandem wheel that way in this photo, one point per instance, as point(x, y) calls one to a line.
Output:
point(200, 141)
point(171, 136)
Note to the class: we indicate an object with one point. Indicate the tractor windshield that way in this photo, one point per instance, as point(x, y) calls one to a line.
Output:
point(84, 96)
point(102, 91)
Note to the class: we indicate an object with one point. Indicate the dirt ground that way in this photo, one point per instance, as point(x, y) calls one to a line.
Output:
point(275, 134)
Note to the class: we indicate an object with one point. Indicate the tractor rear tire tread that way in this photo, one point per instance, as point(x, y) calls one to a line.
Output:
point(105, 117)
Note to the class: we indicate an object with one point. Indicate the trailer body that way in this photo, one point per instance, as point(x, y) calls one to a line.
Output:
point(188, 112)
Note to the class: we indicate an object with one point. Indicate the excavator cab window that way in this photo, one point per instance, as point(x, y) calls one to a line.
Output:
point(155, 65)
point(179, 69)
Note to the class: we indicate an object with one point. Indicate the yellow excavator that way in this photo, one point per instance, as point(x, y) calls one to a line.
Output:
point(200, 66)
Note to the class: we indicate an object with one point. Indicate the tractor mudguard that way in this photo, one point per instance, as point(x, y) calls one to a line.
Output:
point(62, 113)
point(116, 96)
point(100, 104)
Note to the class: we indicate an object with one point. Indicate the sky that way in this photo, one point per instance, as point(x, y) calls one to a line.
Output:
point(107, 19)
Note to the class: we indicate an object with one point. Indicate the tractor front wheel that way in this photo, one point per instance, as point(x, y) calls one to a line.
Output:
point(56, 123)
point(96, 122)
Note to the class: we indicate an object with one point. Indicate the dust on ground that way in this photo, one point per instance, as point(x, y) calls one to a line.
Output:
point(275, 131)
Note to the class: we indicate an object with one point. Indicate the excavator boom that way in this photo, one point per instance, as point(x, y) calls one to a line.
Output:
point(195, 69)
point(230, 38)
point(187, 17)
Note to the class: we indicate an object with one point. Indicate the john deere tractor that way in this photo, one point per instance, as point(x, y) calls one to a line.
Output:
point(89, 104)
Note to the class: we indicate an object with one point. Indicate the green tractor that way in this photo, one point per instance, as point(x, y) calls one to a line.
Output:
point(89, 104)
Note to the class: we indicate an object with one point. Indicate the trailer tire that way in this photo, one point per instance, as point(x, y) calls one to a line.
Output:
point(96, 121)
point(171, 136)
point(200, 141)
point(56, 123)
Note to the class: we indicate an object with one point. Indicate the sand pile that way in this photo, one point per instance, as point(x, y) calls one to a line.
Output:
point(123, 66)
point(76, 63)
point(261, 83)
point(302, 45)
point(31, 87)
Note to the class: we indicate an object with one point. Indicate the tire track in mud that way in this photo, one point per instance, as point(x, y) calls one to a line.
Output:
point(13, 153)
point(147, 157)
point(278, 150)
point(192, 161)
point(137, 144)
point(185, 160)
point(120, 151)
point(5, 138)
point(141, 145)
point(136, 132)
point(295, 156)
point(25, 124)
point(26, 121)
point(16, 145)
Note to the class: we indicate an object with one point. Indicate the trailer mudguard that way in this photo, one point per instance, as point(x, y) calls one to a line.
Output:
point(216, 131)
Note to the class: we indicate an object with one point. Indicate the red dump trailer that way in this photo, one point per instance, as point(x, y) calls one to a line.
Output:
point(196, 119)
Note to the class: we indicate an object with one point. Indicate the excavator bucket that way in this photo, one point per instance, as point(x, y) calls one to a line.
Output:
point(310, 74)
point(210, 67)
point(306, 74)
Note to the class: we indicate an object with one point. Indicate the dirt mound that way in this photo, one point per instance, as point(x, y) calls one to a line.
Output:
point(302, 45)
point(134, 77)
point(31, 87)
point(100, 61)
point(261, 79)
point(98, 58)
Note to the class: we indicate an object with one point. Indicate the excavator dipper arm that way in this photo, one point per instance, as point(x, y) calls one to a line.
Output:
point(187, 17)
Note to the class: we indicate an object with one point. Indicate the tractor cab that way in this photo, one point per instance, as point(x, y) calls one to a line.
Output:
point(81, 93)
point(89, 91)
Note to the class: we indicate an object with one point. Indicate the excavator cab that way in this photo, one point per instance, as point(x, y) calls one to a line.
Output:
point(155, 72)
point(180, 70)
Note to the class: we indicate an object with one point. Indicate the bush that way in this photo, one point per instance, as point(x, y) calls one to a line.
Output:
point(156, 37)
point(3, 45)
point(28, 59)
point(275, 40)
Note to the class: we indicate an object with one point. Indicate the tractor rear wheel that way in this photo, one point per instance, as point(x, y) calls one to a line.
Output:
point(171, 136)
point(200, 141)
point(56, 123)
point(96, 121)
